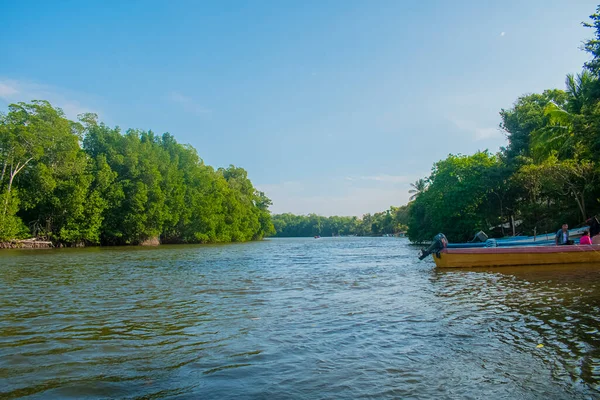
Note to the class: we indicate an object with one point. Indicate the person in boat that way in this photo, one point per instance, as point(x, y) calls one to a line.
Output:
point(562, 236)
point(585, 238)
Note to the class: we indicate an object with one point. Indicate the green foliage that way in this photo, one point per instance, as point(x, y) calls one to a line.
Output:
point(11, 226)
point(44, 161)
point(556, 186)
point(118, 188)
point(562, 133)
point(526, 117)
point(457, 199)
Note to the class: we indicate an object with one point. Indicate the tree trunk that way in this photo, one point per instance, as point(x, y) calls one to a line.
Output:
point(13, 173)
point(3, 171)
point(7, 196)
point(580, 204)
point(501, 218)
point(512, 223)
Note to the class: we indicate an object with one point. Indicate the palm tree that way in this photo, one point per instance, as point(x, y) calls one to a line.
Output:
point(417, 188)
point(580, 89)
point(560, 134)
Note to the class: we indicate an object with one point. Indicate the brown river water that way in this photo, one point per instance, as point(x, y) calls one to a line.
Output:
point(329, 318)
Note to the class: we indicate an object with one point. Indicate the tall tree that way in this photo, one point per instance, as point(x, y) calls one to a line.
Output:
point(26, 133)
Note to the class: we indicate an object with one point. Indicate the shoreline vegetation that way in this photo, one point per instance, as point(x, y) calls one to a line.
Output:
point(390, 222)
point(78, 183)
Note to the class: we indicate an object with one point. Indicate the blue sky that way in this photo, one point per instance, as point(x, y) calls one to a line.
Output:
point(333, 107)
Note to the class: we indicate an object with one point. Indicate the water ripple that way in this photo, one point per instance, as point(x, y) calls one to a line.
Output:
point(292, 318)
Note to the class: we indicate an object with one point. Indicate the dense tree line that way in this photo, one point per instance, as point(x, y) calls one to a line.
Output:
point(391, 221)
point(548, 172)
point(86, 183)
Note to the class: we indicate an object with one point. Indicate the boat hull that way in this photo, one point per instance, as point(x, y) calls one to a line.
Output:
point(517, 256)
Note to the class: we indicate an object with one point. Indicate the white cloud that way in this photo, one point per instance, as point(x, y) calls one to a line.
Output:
point(12, 91)
point(502, 33)
point(188, 104)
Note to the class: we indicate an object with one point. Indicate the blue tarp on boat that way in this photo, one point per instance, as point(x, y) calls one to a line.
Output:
point(546, 239)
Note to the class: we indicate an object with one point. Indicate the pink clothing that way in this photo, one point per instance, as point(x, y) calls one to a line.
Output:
point(585, 240)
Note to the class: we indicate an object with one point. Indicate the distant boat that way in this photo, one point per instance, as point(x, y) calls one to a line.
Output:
point(446, 257)
point(317, 237)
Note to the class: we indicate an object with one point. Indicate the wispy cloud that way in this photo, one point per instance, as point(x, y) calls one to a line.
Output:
point(381, 178)
point(188, 104)
point(486, 133)
point(502, 33)
point(12, 91)
point(478, 132)
point(7, 90)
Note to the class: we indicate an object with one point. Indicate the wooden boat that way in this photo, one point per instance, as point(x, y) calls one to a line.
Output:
point(446, 257)
point(517, 256)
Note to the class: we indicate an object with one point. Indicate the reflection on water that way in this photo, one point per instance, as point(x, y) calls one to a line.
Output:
point(292, 318)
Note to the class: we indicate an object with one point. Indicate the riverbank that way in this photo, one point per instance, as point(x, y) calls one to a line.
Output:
point(26, 244)
point(34, 243)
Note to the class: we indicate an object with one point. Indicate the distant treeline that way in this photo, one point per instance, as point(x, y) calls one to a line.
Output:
point(391, 221)
point(547, 174)
point(83, 182)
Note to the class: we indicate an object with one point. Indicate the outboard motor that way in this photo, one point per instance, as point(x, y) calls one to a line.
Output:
point(439, 242)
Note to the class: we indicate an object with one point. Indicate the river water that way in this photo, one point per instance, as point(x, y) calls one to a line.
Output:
point(342, 318)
